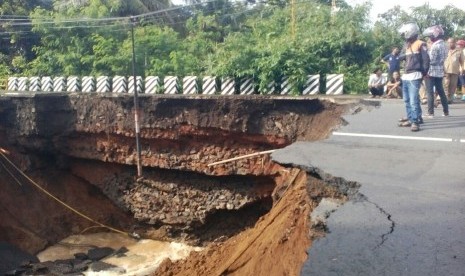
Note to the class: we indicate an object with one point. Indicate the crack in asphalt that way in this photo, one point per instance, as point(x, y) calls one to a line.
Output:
point(384, 237)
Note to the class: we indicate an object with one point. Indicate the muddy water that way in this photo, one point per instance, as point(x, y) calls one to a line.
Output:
point(142, 257)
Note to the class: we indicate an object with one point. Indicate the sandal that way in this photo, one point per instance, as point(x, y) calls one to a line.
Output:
point(405, 124)
point(415, 127)
point(403, 120)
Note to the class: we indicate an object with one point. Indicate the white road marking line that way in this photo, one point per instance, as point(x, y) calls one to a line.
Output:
point(397, 137)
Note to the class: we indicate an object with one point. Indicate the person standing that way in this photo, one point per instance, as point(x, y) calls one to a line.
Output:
point(452, 68)
point(461, 44)
point(376, 83)
point(416, 67)
point(437, 55)
point(393, 62)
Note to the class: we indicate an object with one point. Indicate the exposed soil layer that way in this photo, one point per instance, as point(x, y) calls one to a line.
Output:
point(81, 148)
point(276, 245)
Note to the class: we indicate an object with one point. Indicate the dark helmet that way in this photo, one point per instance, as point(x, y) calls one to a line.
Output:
point(434, 32)
point(409, 30)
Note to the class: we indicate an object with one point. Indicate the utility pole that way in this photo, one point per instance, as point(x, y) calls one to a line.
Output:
point(333, 7)
point(136, 100)
point(293, 21)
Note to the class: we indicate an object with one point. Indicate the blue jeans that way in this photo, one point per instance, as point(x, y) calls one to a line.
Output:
point(410, 91)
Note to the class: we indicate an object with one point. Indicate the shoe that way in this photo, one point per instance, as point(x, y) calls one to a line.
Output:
point(403, 120)
point(445, 114)
point(428, 116)
point(420, 121)
point(405, 124)
point(424, 101)
point(415, 127)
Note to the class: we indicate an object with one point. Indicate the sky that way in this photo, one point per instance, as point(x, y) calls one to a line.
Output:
point(380, 6)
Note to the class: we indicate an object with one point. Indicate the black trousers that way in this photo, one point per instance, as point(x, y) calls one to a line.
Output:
point(377, 91)
point(431, 83)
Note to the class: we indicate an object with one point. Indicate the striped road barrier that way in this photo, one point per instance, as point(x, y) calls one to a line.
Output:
point(72, 84)
point(334, 84)
point(209, 85)
point(59, 84)
point(247, 86)
point(152, 84)
point(88, 84)
point(228, 86)
point(189, 85)
point(271, 88)
point(23, 84)
point(120, 84)
point(103, 84)
point(12, 84)
point(312, 85)
point(286, 86)
point(138, 84)
point(46, 84)
point(34, 84)
point(170, 84)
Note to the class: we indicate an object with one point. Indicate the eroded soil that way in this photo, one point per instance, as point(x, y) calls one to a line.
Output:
point(252, 214)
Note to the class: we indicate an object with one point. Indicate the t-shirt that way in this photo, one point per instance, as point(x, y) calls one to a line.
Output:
point(374, 80)
point(412, 76)
point(394, 62)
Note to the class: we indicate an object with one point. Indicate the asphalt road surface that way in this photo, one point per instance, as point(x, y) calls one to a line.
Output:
point(410, 217)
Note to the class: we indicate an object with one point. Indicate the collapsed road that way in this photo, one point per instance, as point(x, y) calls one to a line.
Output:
point(81, 149)
point(370, 199)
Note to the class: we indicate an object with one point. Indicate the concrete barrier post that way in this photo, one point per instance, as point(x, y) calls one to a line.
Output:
point(334, 84)
point(247, 86)
point(131, 84)
point(120, 84)
point(152, 85)
point(170, 84)
point(73, 84)
point(23, 84)
point(46, 84)
point(190, 85)
point(59, 84)
point(103, 84)
point(209, 85)
point(88, 84)
point(228, 86)
point(312, 85)
point(12, 84)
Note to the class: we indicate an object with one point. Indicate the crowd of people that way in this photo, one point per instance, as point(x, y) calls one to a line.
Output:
point(433, 72)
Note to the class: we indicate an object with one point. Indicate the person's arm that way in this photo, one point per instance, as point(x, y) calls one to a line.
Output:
point(403, 55)
point(462, 61)
point(424, 59)
point(390, 85)
point(385, 60)
point(370, 81)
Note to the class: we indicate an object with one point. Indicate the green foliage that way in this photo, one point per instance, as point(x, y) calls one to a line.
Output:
point(222, 38)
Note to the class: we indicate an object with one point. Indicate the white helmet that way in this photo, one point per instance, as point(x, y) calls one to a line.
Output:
point(434, 32)
point(409, 30)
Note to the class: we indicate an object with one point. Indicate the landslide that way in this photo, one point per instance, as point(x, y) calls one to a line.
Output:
point(276, 245)
point(81, 148)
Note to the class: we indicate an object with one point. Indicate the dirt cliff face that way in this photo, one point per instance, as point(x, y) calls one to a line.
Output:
point(82, 148)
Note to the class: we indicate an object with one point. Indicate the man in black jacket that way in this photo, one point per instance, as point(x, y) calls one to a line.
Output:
point(416, 67)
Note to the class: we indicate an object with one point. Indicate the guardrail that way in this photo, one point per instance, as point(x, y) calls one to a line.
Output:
point(172, 85)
